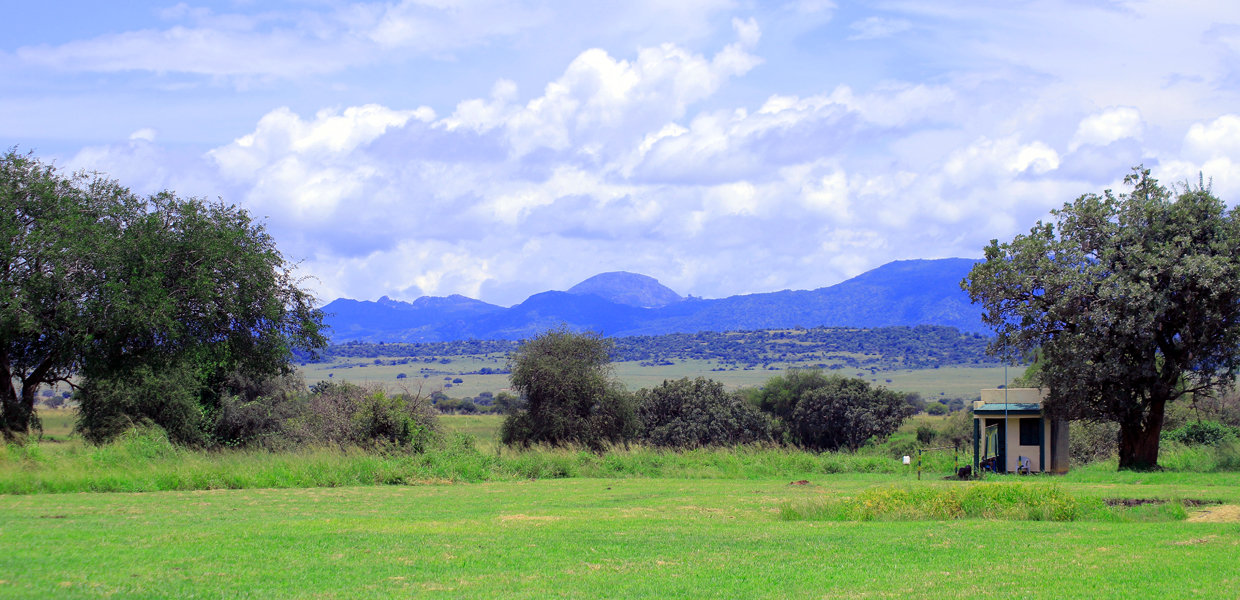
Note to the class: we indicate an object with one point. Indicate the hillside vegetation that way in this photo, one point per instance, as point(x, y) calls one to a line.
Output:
point(878, 349)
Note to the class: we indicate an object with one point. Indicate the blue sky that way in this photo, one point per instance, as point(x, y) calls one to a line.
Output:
point(496, 149)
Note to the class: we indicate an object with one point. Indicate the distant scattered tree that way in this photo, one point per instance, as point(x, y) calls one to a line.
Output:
point(914, 400)
point(568, 393)
point(691, 414)
point(508, 404)
point(401, 376)
point(1132, 300)
point(937, 409)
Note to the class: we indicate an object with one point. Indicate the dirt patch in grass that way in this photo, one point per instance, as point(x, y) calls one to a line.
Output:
point(542, 519)
point(1221, 513)
point(1134, 502)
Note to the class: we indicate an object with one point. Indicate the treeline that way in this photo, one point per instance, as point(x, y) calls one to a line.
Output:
point(883, 348)
point(568, 397)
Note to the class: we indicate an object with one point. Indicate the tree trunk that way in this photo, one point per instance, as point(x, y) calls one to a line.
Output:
point(14, 413)
point(1138, 439)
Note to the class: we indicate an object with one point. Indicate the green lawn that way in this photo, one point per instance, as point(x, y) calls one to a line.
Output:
point(581, 538)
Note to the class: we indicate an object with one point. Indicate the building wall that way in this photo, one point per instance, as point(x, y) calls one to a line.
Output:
point(1014, 449)
point(1013, 396)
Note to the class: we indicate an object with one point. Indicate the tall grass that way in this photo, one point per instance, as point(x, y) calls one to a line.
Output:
point(146, 461)
point(1003, 501)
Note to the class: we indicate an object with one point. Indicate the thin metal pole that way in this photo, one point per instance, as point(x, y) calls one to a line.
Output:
point(1006, 384)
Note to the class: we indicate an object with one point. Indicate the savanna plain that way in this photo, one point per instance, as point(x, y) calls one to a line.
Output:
point(139, 518)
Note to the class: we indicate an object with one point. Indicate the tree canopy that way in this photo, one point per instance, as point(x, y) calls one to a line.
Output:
point(829, 412)
point(688, 413)
point(568, 394)
point(109, 291)
point(1132, 300)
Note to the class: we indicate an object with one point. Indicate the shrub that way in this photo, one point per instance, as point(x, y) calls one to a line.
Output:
point(846, 413)
point(692, 414)
point(937, 409)
point(144, 397)
point(366, 416)
point(1202, 433)
point(1092, 442)
point(958, 429)
point(507, 404)
point(255, 412)
point(926, 434)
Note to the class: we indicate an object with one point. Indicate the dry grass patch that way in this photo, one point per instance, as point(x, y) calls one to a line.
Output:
point(1224, 513)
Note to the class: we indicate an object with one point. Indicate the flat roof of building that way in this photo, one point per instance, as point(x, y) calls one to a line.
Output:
point(1028, 408)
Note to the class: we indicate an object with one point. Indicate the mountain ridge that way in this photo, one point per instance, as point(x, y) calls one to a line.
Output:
point(631, 289)
point(911, 292)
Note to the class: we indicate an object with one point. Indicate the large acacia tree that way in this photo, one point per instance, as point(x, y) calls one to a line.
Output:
point(568, 393)
point(112, 293)
point(1133, 301)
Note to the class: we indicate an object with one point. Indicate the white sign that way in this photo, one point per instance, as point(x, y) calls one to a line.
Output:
point(907, 460)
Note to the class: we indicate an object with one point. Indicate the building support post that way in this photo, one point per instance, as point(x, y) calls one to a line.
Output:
point(1042, 443)
point(977, 461)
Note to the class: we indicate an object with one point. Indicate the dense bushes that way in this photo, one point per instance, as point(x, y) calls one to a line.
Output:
point(143, 397)
point(824, 412)
point(567, 396)
point(1091, 442)
point(272, 413)
point(846, 413)
point(692, 414)
point(367, 417)
point(1202, 433)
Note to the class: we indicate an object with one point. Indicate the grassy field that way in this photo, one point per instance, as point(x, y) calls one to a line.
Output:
point(949, 382)
point(473, 522)
point(582, 538)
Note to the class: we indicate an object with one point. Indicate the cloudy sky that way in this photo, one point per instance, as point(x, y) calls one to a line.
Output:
point(495, 149)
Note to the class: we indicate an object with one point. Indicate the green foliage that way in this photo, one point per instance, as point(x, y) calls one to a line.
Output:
point(508, 404)
point(937, 409)
point(847, 413)
point(570, 397)
point(926, 434)
point(914, 400)
point(1133, 301)
point(958, 429)
point(1090, 442)
point(368, 417)
point(692, 414)
point(115, 290)
point(144, 397)
point(1203, 433)
point(782, 393)
point(830, 412)
point(885, 348)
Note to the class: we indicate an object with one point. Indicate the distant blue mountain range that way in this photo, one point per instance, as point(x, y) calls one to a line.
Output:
point(910, 292)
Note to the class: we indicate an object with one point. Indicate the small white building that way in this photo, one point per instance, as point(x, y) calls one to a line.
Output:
point(1011, 433)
